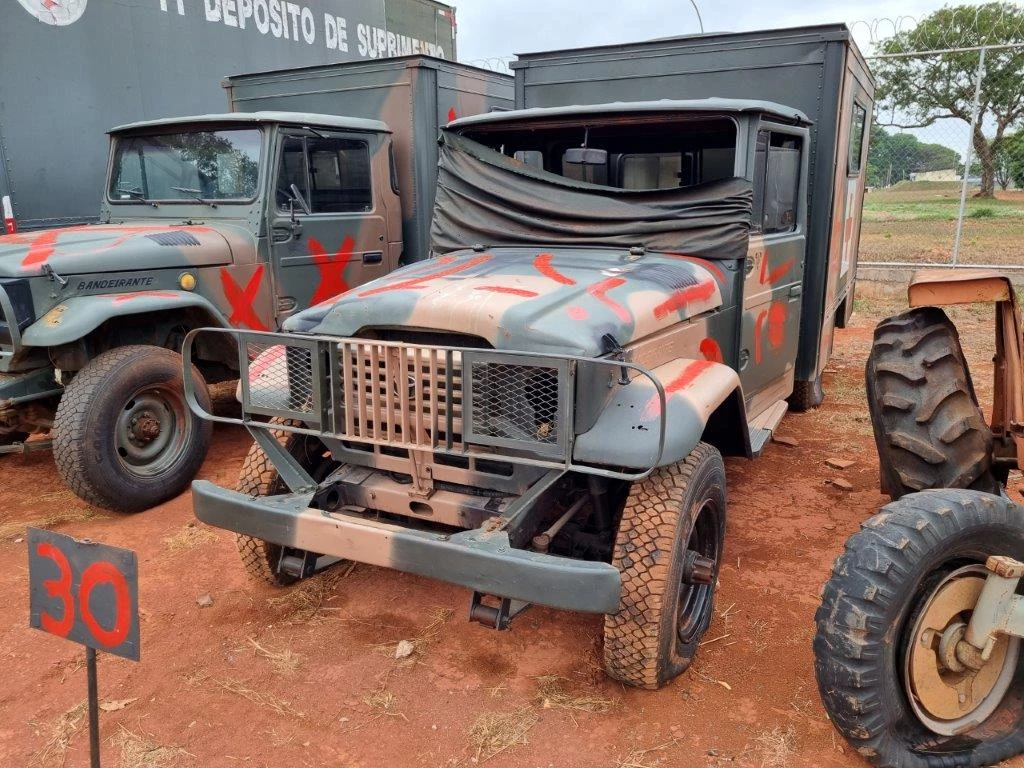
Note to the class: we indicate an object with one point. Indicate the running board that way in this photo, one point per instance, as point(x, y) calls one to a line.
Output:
point(762, 427)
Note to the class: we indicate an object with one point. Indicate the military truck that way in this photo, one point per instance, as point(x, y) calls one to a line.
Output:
point(231, 220)
point(540, 414)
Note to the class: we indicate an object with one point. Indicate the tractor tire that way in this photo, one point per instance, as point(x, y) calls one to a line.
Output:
point(667, 603)
point(807, 395)
point(258, 477)
point(878, 667)
point(124, 438)
point(929, 430)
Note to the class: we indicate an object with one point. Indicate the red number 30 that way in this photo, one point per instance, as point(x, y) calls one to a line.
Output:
point(98, 573)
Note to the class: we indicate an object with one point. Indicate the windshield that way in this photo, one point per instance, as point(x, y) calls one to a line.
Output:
point(186, 166)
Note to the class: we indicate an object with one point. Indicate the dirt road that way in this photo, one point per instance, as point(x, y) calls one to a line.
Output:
point(307, 677)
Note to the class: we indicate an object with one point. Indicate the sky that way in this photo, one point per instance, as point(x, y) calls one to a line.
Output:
point(492, 29)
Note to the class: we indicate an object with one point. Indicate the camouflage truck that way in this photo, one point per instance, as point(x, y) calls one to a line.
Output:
point(540, 414)
point(233, 220)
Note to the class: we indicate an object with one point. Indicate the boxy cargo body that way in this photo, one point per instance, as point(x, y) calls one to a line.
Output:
point(70, 71)
point(413, 95)
point(818, 70)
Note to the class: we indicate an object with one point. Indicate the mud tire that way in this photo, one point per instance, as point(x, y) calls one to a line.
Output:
point(929, 430)
point(87, 422)
point(866, 614)
point(807, 395)
point(258, 477)
point(644, 642)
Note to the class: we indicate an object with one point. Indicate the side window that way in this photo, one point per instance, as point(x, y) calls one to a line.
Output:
point(776, 183)
point(292, 171)
point(333, 174)
point(339, 171)
point(857, 125)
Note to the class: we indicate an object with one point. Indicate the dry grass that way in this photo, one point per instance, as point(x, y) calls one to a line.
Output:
point(644, 758)
point(425, 637)
point(382, 703)
point(61, 731)
point(284, 661)
point(553, 693)
point(305, 603)
point(190, 536)
point(267, 700)
point(137, 752)
point(776, 746)
point(495, 732)
point(69, 514)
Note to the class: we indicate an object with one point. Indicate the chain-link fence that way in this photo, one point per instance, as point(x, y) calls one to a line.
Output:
point(946, 159)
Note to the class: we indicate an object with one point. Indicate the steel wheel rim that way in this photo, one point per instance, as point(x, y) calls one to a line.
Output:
point(695, 600)
point(945, 701)
point(152, 429)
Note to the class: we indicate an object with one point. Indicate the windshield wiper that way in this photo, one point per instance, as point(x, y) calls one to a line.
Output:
point(197, 194)
point(137, 195)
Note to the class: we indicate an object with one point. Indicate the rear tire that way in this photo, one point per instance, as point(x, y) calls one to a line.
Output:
point(870, 623)
point(663, 612)
point(258, 477)
point(124, 438)
point(929, 430)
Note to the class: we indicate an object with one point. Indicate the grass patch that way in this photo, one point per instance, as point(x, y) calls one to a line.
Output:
point(553, 693)
point(495, 732)
point(267, 700)
point(17, 528)
point(776, 747)
point(425, 637)
point(285, 661)
point(305, 602)
point(61, 731)
point(190, 536)
point(137, 752)
point(645, 758)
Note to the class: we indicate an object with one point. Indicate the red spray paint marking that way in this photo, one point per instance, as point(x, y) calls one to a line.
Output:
point(452, 115)
point(417, 283)
point(578, 313)
point(710, 266)
point(758, 326)
point(264, 361)
point(711, 351)
point(598, 291)
point(42, 246)
point(679, 299)
point(42, 249)
point(331, 269)
point(686, 377)
point(242, 299)
point(146, 295)
point(510, 291)
point(543, 265)
point(777, 314)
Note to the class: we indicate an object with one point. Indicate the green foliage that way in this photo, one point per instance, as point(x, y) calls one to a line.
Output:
point(892, 157)
point(924, 89)
point(1009, 160)
point(981, 213)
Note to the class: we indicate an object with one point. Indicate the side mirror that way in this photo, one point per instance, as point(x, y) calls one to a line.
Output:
point(298, 198)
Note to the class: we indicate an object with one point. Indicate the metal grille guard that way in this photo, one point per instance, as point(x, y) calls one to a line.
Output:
point(507, 406)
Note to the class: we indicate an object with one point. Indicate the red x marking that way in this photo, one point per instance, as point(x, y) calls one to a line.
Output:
point(242, 299)
point(331, 268)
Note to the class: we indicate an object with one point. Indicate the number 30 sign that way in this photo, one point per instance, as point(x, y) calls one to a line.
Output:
point(84, 592)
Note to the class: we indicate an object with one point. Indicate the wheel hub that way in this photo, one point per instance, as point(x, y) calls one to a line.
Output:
point(145, 428)
point(946, 694)
point(151, 430)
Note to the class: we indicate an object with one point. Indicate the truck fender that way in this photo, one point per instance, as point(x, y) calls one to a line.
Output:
point(627, 432)
point(79, 316)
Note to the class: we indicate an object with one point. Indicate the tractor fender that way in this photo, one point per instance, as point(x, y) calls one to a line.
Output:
point(627, 433)
point(78, 316)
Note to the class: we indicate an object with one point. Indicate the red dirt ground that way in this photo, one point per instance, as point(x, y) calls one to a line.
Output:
point(203, 695)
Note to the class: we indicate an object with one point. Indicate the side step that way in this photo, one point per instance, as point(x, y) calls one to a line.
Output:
point(764, 424)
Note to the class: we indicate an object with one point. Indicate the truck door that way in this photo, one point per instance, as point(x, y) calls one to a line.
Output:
point(775, 266)
point(339, 243)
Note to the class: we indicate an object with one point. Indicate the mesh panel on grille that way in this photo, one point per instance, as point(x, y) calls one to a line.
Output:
point(515, 402)
point(280, 378)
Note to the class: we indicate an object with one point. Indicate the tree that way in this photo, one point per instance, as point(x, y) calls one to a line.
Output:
point(924, 89)
point(1009, 160)
point(893, 157)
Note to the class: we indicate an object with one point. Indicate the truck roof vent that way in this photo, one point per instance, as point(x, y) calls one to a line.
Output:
point(177, 239)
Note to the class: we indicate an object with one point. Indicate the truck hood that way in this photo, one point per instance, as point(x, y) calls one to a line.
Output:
point(565, 301)
point(119, 247)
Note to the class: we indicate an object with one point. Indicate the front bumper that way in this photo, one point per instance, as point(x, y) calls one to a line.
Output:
point(478, 560)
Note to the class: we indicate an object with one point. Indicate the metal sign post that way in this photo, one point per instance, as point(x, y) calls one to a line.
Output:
point(87, 593)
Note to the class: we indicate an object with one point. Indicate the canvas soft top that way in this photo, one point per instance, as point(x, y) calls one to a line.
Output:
point(710, 105)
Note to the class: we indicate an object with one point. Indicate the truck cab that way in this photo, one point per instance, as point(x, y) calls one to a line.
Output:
point(232, 221)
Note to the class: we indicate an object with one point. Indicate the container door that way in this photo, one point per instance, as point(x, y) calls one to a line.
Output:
point(775, 267)
point(340, 242)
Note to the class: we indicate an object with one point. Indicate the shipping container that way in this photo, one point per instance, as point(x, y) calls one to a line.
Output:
point(818, 70)
point(70, 71)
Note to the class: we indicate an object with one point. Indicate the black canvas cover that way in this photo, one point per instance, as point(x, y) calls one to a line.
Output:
point(487, 198)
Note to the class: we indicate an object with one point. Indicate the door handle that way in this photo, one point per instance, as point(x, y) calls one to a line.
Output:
point(373, 257)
